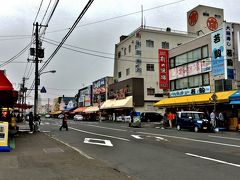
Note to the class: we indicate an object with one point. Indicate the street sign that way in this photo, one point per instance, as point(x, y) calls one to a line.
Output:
point(214, 97)
point(43, 90)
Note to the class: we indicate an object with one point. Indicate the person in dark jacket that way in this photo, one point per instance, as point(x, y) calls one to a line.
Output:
point(64, 122)
point(30, 121)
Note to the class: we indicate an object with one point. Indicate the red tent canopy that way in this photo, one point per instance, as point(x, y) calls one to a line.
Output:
point(5, 84)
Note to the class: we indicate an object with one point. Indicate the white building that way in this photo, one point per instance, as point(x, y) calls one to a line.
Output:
point(137, 56)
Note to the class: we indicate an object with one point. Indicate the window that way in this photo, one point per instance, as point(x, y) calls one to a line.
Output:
point(129, 48)
point(182, 83)
point(218, 16)
point(119, 54)
point(196, 54)
point(172, 62)
point(195, 81)
point(138, 52)
point(229, 62)
point(127, 71)
point(150, 67)
point(172, 85)
point(125, 51)
point(119, 74)
point(206, 79)
point(149, 43)
point(150, 91)
point(182, 59)
point(205, 14)
point(204, 51)
point(165, 45)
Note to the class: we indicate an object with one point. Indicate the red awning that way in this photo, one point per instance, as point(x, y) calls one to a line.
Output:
point(23, 106)
point(5, 84)
point(80, 109)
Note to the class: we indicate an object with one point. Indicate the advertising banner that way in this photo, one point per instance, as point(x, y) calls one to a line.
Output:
point(218, 53)
point(4, 137)
point(163, 69)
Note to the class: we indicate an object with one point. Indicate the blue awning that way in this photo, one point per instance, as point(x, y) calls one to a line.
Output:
point(234, 102)
point(235, 96)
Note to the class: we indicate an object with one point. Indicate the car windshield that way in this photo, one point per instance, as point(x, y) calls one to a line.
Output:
point(199, 116)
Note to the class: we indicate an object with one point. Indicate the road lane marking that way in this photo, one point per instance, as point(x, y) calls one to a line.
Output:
point(160, 138)
point(101, 142)
point(238, 139)
point(105, 127)
point(72, 147)
point(103, 135)
point(136, 136)
point(211, 159)
point(195, 140)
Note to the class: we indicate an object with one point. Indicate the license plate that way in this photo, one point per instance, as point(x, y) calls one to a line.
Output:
point(204, 127)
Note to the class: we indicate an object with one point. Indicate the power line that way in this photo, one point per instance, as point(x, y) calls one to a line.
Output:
point(67, 35)
point(117, 17)
point(38, 11)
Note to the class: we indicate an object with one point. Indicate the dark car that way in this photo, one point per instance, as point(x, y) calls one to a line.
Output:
point(193, 120)
point(151, 117)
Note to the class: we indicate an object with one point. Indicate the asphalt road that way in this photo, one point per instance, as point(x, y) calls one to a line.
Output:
point(153, 153)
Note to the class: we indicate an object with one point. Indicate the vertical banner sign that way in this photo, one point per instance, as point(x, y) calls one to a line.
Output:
point(163, 69)
point(218, 53)
point(4, 137)
point(228, 45)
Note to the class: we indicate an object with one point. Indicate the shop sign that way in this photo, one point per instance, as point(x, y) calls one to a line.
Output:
point(190, 91)
point(218, 53)
point(163, 69)
point(228, 45)
point(99, 86)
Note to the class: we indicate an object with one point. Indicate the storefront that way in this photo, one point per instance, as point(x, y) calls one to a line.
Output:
point(234, 101)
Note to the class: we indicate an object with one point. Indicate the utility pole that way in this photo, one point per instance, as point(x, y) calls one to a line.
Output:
point(36, 72)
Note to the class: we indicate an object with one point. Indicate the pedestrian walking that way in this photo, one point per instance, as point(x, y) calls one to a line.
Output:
point(170, 117)
point(64, 122)
point(221, 119)
point(30, 122)
point(213, 119)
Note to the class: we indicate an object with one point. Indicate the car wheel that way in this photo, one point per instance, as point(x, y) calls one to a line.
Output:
point(178, 127)
point(196, 129)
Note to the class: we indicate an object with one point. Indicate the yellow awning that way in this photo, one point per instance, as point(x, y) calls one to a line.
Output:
point(222, 97)
point(56, 112)
point(120, 103)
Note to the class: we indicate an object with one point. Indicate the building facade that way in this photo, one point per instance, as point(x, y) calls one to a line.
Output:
point(137, 56)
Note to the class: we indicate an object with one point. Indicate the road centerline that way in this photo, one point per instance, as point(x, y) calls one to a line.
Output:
point(195, 140)
point(212, 159)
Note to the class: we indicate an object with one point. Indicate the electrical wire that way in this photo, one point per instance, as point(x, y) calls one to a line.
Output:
point(67, 35)
point(117, 17)
point(38, 11)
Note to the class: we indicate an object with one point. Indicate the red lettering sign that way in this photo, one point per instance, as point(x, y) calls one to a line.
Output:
point(163, 69)
point(212, 23)
point(192, 18)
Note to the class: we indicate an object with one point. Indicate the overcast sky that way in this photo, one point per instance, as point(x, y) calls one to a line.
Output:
point(76, 69)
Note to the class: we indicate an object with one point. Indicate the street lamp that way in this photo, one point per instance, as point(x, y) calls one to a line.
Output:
point(36, 91)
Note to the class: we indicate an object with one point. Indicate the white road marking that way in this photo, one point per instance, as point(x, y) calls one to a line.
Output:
point(215, 160)
point(101, 142)
point(136, 136)
point(72, 147)
point(221, 137)
point(195, 140)
point(103, 135)
point(105, 127)
point(162, 139)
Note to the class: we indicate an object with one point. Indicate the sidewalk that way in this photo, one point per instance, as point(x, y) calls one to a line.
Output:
point(38, 156)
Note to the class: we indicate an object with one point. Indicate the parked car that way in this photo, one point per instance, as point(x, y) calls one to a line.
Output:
point(47, 116)
point(123, 118)
point(151, 117)
point(78, 117)
point(193, 120)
